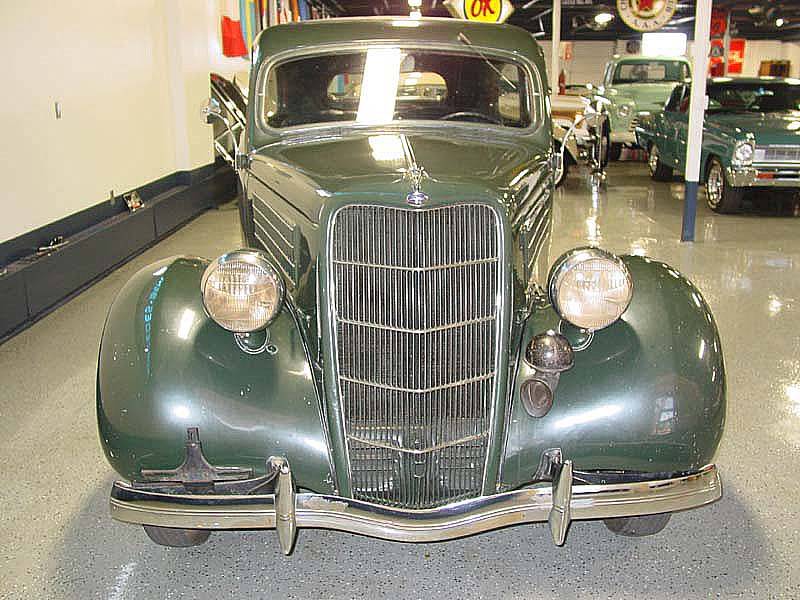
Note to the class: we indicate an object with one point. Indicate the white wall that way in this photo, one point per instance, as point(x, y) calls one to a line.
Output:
point(131, 78)
point(587, 64)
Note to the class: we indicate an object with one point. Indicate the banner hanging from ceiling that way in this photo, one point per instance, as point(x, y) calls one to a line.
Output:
point(484, 11)
point(646, 15)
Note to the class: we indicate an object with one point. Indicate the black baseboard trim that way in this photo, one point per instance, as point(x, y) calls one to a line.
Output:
point(99, 240)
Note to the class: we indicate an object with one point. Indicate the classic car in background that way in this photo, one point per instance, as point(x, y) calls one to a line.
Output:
point(579, 134)
point(635, 86)
point(751, 138)
point(390, 355)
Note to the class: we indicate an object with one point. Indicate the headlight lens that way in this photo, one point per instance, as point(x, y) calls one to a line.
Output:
point(624, 110)
point(743, 153)
point(242, 291)
point(590, 288)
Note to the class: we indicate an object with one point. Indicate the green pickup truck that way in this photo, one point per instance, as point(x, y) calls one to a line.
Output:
point(634, 87)
point(751, 138)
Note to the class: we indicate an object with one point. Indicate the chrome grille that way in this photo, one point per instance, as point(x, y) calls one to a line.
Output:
point(777, 154)
point(415, 303)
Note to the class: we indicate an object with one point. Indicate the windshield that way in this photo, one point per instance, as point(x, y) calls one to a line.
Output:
point(384, 84)
point(753, 97)
point(650, 71)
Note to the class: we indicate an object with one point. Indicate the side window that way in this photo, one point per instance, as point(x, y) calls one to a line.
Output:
point(509, 99)
point(675, 99)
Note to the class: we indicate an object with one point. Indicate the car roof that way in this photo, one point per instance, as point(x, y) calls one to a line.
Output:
point(764, 79)
point(310, 34)
point(642, 58)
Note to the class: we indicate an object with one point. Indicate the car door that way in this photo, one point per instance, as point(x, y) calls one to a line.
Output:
point(674, 127)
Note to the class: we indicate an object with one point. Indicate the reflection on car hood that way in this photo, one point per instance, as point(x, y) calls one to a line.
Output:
point(646, 96)
point(768, 128)
point(375, 161)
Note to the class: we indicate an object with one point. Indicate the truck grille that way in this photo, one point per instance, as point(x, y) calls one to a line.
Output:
point(777, 154)
point(416, 310)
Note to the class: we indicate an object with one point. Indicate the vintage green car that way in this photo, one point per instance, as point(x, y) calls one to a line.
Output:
point(389, 356)
point(633, 87)
point(751, 138)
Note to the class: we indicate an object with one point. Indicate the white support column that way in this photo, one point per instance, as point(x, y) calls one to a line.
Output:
point(697, 111)
point(554, 56)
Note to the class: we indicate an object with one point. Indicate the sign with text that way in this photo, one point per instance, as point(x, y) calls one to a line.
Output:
point(646, 15)
point(483, 11)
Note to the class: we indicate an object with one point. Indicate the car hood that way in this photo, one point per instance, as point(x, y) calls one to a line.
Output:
point(646, 96)
point(375, 162)
point(767, 128)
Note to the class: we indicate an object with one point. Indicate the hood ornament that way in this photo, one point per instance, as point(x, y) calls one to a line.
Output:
point(415, 175)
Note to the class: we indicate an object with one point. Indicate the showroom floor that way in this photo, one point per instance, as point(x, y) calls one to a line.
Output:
point(59, 542)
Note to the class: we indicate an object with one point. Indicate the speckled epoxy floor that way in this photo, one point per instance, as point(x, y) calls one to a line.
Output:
point(58, 541)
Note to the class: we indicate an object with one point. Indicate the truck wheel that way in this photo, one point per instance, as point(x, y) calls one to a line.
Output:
point(177, 538)
point(658, 170)
point(614, 152)
point(721, 197)
point(638, 526)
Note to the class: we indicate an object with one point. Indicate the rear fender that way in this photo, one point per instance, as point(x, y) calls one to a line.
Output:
point(165, 366)
point(646, 395)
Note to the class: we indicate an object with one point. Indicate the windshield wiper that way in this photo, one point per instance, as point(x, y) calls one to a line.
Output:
point(462, 37)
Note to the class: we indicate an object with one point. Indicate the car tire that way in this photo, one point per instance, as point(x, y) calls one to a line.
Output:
point(603, 149)
point(559, 177)
point(614, 152)
point(721, 197)
point(638, 526)
point(177, 538)
point(658, 170)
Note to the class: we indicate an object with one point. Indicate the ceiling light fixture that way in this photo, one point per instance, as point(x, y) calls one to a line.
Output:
point(603, 18)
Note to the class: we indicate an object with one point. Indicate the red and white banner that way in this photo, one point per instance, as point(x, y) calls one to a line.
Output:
point(736, 56)
point(232, 38)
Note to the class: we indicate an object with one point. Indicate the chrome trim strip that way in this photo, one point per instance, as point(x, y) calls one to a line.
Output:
point(468, 263)
point(435, 388)
point(427, 450)
point(420, 331)
point(468, 517)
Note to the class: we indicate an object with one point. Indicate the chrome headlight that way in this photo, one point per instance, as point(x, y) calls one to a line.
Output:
point(743, 153)
point(242, 291)
point(624, 110)
point(590, 288)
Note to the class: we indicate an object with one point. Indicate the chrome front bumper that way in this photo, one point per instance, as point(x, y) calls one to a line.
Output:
point(786, 177)
point(286, 511)
point(623, 137)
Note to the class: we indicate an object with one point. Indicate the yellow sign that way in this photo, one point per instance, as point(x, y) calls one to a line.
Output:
point(487, 11)
point(483, 11)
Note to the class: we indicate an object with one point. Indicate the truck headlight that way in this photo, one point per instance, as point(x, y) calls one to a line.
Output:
point(743, 154)
point(624, 110)
point(242, 291)
point(590, 288)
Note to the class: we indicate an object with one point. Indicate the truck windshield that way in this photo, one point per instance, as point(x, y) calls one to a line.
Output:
point(650, 71)
point(387, 84)
point(771, 96)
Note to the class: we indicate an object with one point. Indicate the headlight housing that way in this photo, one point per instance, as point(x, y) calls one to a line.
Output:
point(242, 291)
point(743, 153)
point(590, 288)
point(624, 110)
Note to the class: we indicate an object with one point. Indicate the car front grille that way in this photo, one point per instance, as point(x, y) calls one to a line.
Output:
point(777, 154)
point(416, 310)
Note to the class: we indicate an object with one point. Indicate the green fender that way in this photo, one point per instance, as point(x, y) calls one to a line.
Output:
point(166, 366)
point(647, 394)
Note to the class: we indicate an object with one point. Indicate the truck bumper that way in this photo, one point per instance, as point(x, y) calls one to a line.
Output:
point(286, 510)
point(622, 137)
point(764, 176)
